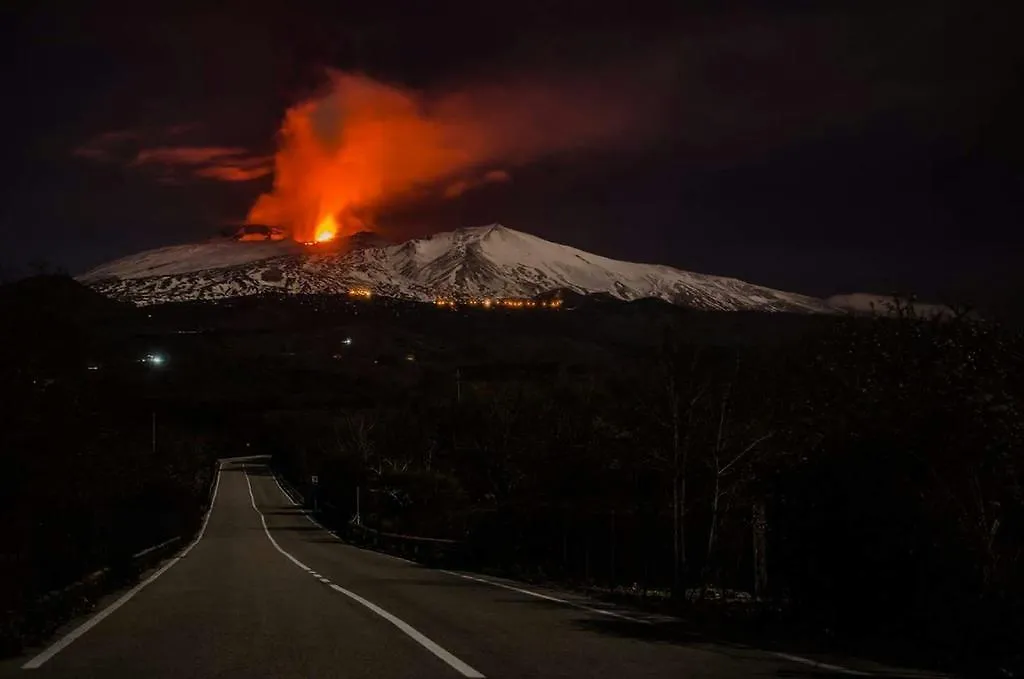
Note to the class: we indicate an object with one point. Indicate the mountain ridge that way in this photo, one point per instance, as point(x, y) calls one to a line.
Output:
point(473, 262)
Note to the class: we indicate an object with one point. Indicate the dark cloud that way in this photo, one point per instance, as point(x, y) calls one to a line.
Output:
point(175, 163)
point(460, 186)
point(104, 147)
point(230, 164)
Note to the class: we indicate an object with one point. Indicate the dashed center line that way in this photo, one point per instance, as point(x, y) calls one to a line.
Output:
point(417, 636)
point(785, 656)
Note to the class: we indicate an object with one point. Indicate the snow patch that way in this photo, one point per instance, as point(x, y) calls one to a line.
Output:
point(485, 261)
point(179, 259)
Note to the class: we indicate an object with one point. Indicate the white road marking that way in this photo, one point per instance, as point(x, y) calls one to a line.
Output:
point(785, 656)
point(70, 637)
point(283, 491)
point(396, 558)
point(547, 597)
point(464, 669)
point(456, 664)
point(794, 658)
point(327, 530)
point(821, 665)
point(149, 550)
point(469, 577)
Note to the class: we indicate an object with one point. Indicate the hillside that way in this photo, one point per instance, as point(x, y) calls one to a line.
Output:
point(490, 261)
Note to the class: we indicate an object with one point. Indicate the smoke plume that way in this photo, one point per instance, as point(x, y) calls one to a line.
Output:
point(361, 143)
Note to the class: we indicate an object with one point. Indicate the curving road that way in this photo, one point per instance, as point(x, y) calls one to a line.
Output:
point(264, 592)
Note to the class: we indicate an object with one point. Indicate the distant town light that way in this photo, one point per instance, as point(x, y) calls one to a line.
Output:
point(347, 341)
point(496, 302)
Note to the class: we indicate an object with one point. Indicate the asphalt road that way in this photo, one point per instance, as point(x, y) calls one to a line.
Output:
point(266, 593)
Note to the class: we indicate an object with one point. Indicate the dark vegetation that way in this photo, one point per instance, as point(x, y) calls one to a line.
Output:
point(82, 488)
point(845, 481)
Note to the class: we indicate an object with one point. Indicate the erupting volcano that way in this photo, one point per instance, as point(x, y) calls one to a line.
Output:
point(360, 146)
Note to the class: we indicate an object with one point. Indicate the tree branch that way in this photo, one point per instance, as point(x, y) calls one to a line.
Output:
point(746, 450)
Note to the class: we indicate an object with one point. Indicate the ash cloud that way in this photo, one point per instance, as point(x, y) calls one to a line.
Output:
point(361, 143)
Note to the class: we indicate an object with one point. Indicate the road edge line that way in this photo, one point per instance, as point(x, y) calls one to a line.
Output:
point(284, 492)
point(53, 649)
point(546, 597)
point(410, 631)
point(839, 669)
point(785, 656)
point(330, 532)
point(460, 575)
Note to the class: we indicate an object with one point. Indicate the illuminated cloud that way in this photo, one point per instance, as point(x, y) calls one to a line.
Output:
point(229, 164)
point(186, 155)
point(222, 163)
point(106, 147)
point(459, 187)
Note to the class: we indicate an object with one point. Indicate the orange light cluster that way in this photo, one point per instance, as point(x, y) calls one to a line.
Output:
point(490, 302)
point(365, 293)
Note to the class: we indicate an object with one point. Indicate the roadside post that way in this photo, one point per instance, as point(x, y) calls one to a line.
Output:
point(359, 516)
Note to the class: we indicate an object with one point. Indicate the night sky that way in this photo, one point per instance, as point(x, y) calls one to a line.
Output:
point(820, 147)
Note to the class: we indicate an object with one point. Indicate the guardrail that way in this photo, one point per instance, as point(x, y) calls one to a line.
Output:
point(97, 576)
point(49, 610)
point(432, 551)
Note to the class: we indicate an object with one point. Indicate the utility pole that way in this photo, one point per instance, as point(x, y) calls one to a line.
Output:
point(458, 385)
point(760, 526)
point(359, 516)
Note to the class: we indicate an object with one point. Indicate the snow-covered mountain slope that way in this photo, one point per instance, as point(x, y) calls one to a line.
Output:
point(487, 261)
point(180, 259)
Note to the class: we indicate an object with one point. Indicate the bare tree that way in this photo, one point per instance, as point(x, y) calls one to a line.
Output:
point(683, 391)
point(355, 434)
point(733, 444)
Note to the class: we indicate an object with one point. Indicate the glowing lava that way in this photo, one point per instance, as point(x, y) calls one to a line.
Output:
point(326, 230)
